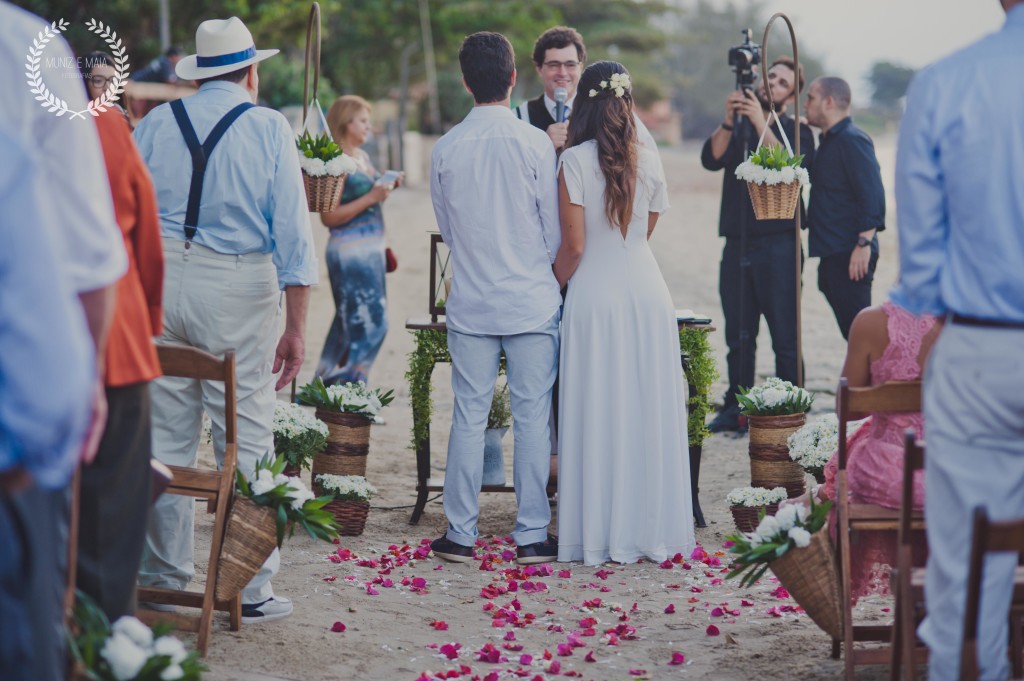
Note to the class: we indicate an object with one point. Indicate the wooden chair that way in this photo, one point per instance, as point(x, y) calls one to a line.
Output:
point(990, 536)
point(907, 579)
point(214, 486)
point(853, 403)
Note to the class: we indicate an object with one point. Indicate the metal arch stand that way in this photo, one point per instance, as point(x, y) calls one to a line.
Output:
point(796, 148)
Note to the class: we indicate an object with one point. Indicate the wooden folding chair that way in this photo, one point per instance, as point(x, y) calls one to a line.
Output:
point(990, 536)
point(907, 579)
point(854, 403)
point(214, 486)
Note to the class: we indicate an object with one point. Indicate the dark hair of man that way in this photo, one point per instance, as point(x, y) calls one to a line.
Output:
point(836, 88)
point(236, 76)
point(555, 39)
point(487, 62)
point(174, 50)
point(788, 61)
point(609, 121)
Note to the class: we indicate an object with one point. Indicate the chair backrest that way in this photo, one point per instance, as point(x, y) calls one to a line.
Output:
point(855, 403)
point(188, 362)
point(988, 536)
point(913, 461)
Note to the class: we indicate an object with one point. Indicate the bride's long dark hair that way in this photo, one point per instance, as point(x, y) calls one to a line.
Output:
point(608, 119)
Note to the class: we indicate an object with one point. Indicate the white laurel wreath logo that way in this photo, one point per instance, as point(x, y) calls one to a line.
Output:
point(55, 104)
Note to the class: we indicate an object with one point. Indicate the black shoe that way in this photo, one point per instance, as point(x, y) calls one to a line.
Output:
point(443, 547)
point(727, 420)
point(540, 552)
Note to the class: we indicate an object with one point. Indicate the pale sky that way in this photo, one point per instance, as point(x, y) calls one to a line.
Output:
point(850, 35)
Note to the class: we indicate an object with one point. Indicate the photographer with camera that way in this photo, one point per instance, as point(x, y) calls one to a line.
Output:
point(756, 275)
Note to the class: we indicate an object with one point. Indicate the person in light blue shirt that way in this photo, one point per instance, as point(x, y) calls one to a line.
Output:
point(235, 233)
point(960, 209)
point(47, 373)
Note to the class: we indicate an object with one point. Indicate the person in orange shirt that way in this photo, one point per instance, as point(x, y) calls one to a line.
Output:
point(115, 492)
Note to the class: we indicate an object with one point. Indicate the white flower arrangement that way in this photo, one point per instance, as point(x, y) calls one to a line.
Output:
point(347, 487)
point(298, 435)
point(755, 496)
point(774, 397)
point(791, 527)
point(353, 398)
point(129, 650)
point(619, 83)
point(814, 444)
point(339, 165)
point(289, 497)
point(771, 166)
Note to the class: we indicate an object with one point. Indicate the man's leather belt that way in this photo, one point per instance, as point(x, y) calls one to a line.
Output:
point(964, 320)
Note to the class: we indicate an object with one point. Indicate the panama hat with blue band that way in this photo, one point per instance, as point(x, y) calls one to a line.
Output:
point(222, 46)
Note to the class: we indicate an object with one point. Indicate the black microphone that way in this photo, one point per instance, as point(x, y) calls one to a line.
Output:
point(560, 95)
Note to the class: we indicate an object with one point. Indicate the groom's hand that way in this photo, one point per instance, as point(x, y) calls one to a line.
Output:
point(559, 133)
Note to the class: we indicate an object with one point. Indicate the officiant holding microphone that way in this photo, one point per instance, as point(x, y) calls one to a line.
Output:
point(560, 56)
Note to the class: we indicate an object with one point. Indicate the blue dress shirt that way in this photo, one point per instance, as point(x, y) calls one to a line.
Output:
point(47, 361)
point(253, 198)
point(959, 192)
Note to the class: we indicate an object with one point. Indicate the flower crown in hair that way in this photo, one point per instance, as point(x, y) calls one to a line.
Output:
point(619, 83)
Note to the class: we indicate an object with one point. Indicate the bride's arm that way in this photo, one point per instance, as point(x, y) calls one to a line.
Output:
point(652, 219)
point(571, 250)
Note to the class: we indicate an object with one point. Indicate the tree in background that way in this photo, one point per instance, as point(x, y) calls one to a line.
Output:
point(697, 64)
point(889, 83)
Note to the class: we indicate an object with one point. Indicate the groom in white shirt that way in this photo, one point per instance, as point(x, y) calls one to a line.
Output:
point(493, 185)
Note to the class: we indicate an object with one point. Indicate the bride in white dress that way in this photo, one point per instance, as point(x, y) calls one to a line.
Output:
point(623, 478)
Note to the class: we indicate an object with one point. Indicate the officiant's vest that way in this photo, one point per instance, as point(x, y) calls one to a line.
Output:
point(536, 113)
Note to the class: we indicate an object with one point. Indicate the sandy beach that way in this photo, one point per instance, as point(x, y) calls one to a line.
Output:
point(397, 627)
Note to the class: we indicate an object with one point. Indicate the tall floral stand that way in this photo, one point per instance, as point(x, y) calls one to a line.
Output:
point(348, 445)
point(770, 463)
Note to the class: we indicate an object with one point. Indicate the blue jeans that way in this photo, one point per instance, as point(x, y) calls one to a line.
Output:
point(355, 262)
point(532, 364)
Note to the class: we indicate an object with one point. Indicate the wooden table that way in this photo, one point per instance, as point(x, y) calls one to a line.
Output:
point(421, 424)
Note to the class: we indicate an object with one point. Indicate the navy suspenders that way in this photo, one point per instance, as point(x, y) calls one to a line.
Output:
point(200, 157)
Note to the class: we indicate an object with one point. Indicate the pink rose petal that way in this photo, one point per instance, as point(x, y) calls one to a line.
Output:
point(712, 630)
point(677, 658)
point(669, 609)
point(338, 627)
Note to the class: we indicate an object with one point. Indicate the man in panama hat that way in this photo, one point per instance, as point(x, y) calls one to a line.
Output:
point(235, 234)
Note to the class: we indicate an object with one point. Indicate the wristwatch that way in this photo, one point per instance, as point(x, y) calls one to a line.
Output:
point(863, 241)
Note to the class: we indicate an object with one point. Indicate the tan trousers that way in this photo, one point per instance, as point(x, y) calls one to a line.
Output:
point(216, 303)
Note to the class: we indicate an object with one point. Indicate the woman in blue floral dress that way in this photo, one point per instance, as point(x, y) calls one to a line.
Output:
point(355, 254)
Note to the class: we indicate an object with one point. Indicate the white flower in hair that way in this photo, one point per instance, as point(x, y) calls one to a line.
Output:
point(619, 83)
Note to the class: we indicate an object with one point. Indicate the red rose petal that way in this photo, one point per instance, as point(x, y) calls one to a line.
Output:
point(713, 630)
point(338, 627)
point(669, 609)
point(677, 658)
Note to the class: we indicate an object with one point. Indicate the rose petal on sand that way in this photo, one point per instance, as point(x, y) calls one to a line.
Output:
point(677, 658)
point(338, 627)
point(712, 630)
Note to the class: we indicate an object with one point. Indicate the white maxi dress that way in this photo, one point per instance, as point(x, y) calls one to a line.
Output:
point(623, 468)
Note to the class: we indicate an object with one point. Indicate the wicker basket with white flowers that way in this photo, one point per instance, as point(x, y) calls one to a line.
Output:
point(324, 169)
point(264, 506)
point(774, 178)
point(350, 500)
point(794, 544)
point(749, 504)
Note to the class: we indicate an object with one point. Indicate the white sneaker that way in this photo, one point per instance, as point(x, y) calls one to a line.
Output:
point(274, 608)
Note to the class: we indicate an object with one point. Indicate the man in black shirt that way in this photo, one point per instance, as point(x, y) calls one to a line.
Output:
point(847, 202)
point(758, 269)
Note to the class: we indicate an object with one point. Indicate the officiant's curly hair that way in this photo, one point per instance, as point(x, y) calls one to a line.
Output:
point(608, 119)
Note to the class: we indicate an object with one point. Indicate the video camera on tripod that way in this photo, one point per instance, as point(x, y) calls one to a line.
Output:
point(743, 58)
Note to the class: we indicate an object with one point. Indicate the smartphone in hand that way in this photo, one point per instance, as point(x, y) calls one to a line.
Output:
point(390, 177)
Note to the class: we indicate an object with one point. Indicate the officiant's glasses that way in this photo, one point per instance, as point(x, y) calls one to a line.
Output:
point(556, 65)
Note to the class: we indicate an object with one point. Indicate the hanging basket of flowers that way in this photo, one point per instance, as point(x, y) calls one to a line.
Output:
point(774, 178)
point(324, 165)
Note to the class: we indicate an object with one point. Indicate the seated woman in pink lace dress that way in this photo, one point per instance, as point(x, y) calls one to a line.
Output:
point(887, 343)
